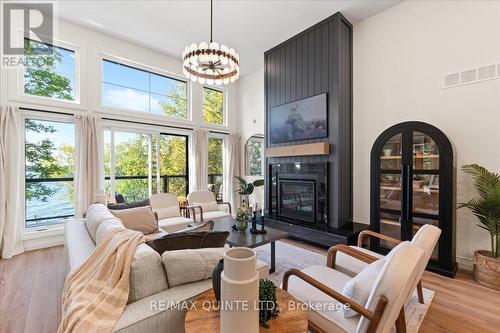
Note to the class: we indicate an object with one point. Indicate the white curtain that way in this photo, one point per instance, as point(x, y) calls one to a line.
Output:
point(199, 167)
point(89, 165)
point(231, 169)
point(11, 175)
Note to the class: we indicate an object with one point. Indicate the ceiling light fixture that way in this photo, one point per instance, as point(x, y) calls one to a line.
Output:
point(211, 63)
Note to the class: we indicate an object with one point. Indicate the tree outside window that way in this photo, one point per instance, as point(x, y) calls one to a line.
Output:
point(213, 106)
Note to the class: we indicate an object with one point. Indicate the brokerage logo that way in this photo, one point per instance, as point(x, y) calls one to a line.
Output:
point(26, 20)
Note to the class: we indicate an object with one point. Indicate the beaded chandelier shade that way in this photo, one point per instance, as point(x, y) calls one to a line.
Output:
point(211, 63)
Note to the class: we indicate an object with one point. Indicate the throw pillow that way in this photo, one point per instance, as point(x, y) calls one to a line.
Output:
point(359, 287)
point(185, 266)
point(189, 240)
point(139, 219)
point(210, 206)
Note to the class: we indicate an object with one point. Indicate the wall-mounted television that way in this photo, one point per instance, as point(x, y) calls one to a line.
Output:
point(300, 120)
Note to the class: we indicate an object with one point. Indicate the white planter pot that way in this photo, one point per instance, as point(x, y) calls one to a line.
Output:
point(239, 292)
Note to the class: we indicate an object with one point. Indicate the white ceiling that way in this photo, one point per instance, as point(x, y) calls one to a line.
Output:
point(251, 27)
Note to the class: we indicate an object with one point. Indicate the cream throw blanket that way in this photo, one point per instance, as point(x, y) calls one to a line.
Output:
point(95, 294)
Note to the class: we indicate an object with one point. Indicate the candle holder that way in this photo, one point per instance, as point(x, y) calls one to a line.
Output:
point(262, 230)
point(254, 229)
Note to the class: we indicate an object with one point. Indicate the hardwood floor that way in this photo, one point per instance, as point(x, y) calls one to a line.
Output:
point(31, 285)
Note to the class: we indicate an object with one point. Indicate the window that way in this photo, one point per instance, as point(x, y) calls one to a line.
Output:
point(215, 165)
point(49, 171)
point(254, 156)
point(173, 164)
point(213, 106)
point(49, 71)
point(140, 164)
point(126, 87)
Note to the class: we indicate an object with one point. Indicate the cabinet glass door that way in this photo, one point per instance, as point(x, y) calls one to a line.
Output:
point(425, 183)
point(391, 188)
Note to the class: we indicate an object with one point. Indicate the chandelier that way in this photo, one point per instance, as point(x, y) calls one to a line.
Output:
point(211, 63)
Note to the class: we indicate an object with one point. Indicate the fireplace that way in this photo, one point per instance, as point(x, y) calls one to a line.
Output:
point(299, 193)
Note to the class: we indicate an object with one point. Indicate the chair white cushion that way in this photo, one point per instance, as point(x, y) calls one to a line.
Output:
point(173, 224)
point(210, 206)
point(359, 287)
point(185, 266)
point(200, 196)
point(167, 212)
point(323, 310)
point(163, 200)
point(352, 266)
point(395, 283)
point(212, 215)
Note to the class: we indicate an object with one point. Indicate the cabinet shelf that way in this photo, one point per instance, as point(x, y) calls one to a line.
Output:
point(419, 156)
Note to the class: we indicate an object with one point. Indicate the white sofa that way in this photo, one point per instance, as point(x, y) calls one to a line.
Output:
point(149, 287)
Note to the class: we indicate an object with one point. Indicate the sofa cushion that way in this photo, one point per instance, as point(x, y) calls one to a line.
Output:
point(106, 227)
point(185, 266)
point(359, 287)
point(189, 240)
point(210, 206)
point(96, 214)
point(78, 244)
point(147, 275)
point(173, 224)
point(352, 266)
point(128, 205)
point(139, 219)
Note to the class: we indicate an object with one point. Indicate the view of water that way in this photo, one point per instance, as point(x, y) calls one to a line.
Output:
point(59, 204)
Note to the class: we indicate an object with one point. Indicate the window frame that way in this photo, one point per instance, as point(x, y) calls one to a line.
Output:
point(21, 96)
point(225, 122)
point(100, 107)
point(153, 130)
point(61, 118)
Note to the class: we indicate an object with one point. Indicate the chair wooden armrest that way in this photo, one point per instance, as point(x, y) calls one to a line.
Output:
point(228, 204)
point(332, 254)
point(366, 233)
point(192, 208)
point(374, 316)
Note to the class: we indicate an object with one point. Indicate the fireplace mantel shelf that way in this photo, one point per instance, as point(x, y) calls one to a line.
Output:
point(319, 148)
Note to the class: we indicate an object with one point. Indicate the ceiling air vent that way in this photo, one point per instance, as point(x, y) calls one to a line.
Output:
point(474, 75)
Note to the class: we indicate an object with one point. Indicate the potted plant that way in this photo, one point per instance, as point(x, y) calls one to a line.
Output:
point(486, 207)
point(246, 188)
point(268, 305)
point(242, 214)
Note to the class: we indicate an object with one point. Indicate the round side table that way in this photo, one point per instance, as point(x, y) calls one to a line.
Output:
point(206, 319)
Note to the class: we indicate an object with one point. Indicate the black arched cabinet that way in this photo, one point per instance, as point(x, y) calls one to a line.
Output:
point(412, 184)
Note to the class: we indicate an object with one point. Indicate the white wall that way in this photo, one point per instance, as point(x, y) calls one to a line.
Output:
point(251, 116)
point(400, 57)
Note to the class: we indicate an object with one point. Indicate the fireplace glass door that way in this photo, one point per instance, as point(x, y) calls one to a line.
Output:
point(412, 185)
point(297, 199)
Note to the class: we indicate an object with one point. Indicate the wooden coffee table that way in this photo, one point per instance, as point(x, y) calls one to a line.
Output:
point(200, 318)
point(247, 239)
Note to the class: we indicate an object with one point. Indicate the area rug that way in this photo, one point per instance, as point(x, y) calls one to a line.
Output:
point(290, 256)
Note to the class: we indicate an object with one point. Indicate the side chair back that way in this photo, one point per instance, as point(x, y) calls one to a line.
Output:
point(395, 283)
point(200, 196)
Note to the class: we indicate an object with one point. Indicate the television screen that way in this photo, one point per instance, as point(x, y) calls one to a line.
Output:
point(300, 120)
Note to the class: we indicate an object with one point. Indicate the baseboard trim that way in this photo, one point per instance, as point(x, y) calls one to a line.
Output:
point(465, 263)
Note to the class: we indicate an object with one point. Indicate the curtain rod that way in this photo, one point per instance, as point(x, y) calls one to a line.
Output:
point(121, 120)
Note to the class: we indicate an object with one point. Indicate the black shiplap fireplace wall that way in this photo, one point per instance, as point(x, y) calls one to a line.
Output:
point(316, 61)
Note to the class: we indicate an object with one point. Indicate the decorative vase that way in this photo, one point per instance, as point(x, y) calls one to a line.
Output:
point(387, 152)
point(487, 269)
point(216, 278)
point(239, 308)
point(241, 225)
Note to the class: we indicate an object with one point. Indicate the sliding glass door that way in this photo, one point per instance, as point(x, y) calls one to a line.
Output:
point(139, 164)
